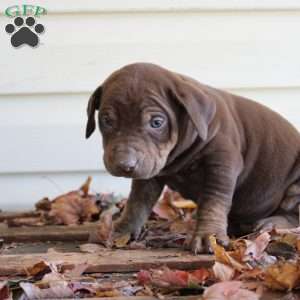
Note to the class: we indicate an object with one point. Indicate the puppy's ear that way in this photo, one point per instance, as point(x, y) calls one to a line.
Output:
point(93, 105)
point(199, 106)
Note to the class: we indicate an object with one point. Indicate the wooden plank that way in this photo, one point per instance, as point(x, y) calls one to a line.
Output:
point(47, 233)
point(5, 215)
point(108, 260)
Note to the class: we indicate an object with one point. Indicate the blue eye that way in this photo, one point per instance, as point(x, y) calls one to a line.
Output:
point(157, 122)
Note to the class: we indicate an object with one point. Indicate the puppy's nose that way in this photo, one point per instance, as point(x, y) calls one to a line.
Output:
point(127, 165)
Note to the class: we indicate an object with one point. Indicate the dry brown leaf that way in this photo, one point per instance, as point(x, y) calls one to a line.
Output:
point(282, 276)
point(43, 204)
point(170, 204)
point(103, 233)
point(165, 211)
point(86, 186)
point(76, 271)
point(4, 291)
point(167, 278)
point(39, 268)
point(181, 226)
point(298, 245)
point(223, 257)
point(72, 208)
point(121, 241)
point(228, 290)
point(110, 293)
point(200, 275)
point(183, 203)
point(91, 248)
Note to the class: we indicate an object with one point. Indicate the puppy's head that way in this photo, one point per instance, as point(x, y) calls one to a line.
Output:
point(144, 111)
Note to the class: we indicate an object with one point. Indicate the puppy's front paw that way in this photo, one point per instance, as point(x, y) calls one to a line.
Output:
point(200, 242)
point(122, 228)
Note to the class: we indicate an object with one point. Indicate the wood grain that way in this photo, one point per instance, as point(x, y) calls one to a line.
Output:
point(47, 233)
point(108, 260)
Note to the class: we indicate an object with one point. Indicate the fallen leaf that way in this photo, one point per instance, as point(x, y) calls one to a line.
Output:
point(121, 241)
point(144, 277)
point(182, 226)
point(86, 186)
point(256, 248)
point(282, 276)
point(281, 249)
point(251, 274)
point(223, 272)
point(103, 232)
point(183, 203)
point(167, 278)
point(164, 210)
point(223, 257)
point(109, 293)
point(76, 271)
point(134, 245)
point(56, 290)
point(200, 275)
point(40, 268)
point(73, 207)
point(43, 204)
point(298, 245)
point(91, 248)
point(295, 230)
point(228, 290)
point(4, 291)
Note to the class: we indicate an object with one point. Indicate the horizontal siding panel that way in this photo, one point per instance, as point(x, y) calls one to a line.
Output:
point(20, 191)
point(223, 49)
point(92, 6)
point(45, 133)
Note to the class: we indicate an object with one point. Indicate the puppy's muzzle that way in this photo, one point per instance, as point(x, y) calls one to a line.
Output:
point(127, 165)
point(124, 162)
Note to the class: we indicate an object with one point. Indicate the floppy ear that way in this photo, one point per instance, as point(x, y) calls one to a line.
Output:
point(199, 106)
point(93, 105)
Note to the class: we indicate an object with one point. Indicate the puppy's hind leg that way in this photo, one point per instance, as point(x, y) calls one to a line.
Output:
point(280, 221)
point(291, 201)
point(288, 214)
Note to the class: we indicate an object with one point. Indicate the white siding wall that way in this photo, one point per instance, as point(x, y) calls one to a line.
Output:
point(248, 47)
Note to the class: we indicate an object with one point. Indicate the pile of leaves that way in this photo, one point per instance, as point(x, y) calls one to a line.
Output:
point(47, 280)
point(268, 261)
point(170, 224)
point(249, 266)
point(75, 207)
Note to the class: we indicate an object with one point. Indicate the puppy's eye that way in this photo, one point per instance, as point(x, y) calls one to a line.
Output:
point(106, 121)
point(157, 122)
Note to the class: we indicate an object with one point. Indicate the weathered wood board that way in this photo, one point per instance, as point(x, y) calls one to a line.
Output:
point(108, 260)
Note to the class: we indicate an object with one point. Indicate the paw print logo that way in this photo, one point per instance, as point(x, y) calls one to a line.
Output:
point(24, 33)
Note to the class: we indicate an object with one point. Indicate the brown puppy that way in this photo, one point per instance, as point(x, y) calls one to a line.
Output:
point(238, 159)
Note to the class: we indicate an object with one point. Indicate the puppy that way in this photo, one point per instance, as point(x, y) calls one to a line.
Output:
point(239, 160)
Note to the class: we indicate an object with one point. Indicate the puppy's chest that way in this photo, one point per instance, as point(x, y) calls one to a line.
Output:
point(187, 182)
